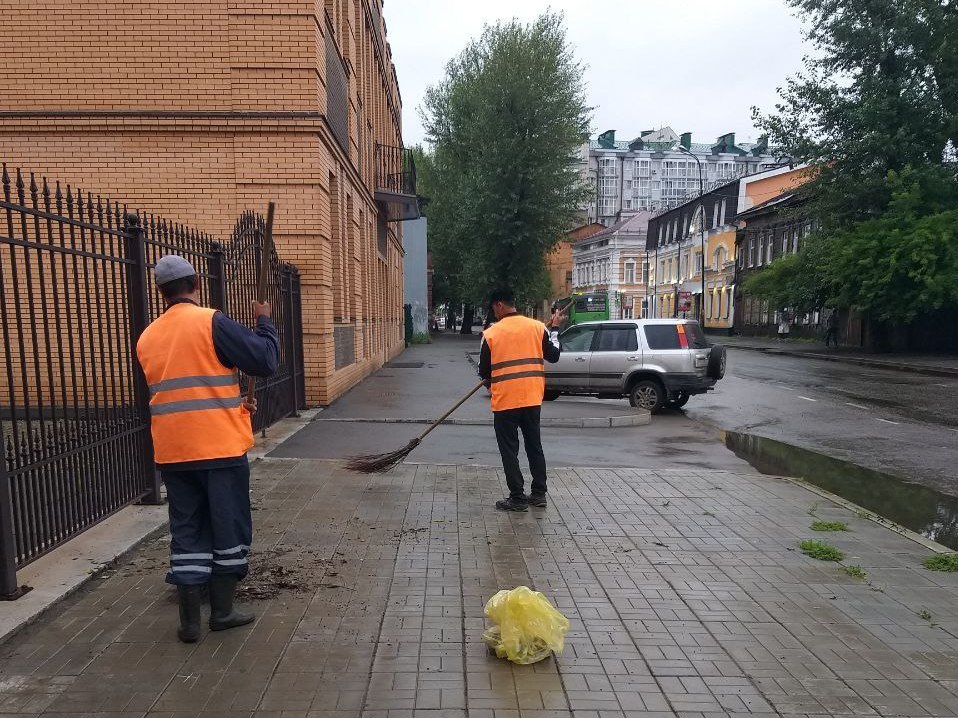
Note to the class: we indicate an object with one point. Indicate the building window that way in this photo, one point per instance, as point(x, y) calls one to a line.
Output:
point(698, 262)
point(761, 252)
point(645, 271)
point(608, 167)
point(663, 277)
point(627, 312)
point(715, 213)
point(751, 251)
point(629, 273)
point(795, 241)
point(671, 274)
point(718, 258)
point(770, 254)
point(722, 214)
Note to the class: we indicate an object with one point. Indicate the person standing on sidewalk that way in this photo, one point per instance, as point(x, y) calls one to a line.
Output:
point(784, 325)
point(831, 329)
point(201, 431)
point(512, 364)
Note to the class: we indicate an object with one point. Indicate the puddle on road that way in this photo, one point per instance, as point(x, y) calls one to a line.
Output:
point(923, 510)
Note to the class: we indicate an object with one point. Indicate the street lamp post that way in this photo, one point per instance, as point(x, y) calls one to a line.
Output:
point(698, 162)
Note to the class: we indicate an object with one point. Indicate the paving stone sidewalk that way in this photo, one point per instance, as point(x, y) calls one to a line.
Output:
point(686, 593)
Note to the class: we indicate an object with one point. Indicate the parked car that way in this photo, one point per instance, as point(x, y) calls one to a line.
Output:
point(655, 363)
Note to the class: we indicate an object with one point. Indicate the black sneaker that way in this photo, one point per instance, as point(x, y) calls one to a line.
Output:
point(512, 504)
point(538, 500)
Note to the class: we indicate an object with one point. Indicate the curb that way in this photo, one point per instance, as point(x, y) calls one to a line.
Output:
point(874, 363)
point(639, 418)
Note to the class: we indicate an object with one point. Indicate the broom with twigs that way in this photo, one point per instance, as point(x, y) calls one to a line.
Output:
point(261, 282)
point(381, 463)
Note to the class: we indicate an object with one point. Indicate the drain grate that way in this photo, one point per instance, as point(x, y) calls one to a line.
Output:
point(405, 365)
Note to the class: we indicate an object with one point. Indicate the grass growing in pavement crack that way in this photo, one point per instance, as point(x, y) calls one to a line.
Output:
point(820, 550)
point(829, 526)
point(925, 613)
point(942, 562)
point(856, 572)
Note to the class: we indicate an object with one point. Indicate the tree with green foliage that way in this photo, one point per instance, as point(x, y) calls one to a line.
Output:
point(876, 110)
point(504, 126)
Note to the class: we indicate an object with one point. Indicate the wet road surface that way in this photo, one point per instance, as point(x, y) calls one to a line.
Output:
point(901, 423)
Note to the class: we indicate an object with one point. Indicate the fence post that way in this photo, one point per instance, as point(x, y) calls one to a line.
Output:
point(9, 590)
point(137, 288)
point(290, 332)
point(217, 270)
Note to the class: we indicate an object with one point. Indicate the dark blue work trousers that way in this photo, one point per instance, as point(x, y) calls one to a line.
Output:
point(210, 522)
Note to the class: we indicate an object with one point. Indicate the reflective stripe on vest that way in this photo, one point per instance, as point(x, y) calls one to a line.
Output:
point(518, 366)
point(196, 409)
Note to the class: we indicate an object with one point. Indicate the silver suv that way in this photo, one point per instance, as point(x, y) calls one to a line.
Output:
point(656, 363)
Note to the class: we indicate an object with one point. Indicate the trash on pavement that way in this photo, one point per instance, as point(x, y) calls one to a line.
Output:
point(528, 628)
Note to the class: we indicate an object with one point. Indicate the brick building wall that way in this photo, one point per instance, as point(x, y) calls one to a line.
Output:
point(199, 111)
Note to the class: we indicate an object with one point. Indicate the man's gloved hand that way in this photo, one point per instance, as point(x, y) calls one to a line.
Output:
point(261, 309)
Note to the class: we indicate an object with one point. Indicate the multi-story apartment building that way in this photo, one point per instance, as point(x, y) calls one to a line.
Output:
point(197, 111)
point(657, 169)
point(678, 235)
point(614, 261)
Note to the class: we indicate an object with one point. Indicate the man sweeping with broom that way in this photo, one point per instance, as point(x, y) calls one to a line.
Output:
point(512, 364)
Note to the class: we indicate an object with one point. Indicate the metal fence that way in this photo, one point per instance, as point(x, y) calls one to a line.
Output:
point(75, 294)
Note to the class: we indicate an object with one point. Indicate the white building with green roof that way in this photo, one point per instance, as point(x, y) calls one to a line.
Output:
point(655, 170)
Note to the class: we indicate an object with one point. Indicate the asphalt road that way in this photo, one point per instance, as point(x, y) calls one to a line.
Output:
point(897, 422)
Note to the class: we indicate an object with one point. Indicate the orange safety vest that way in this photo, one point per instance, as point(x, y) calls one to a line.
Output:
point(518, 366)
point(196, 409)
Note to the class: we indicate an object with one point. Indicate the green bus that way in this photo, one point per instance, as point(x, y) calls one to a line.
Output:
point(583, 307)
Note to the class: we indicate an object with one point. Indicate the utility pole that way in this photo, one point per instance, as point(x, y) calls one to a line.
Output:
point(698, 162)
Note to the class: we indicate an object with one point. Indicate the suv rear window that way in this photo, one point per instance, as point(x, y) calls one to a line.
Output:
point(662, 336)
point(666, 336)
point(617, 339)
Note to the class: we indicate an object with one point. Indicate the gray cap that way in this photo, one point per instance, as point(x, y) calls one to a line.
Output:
point(172, 267)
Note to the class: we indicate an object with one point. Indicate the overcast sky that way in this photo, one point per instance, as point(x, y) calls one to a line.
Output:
point(695, 65)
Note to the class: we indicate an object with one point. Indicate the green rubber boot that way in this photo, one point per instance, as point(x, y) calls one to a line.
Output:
point(191, 603)
point(222, 615)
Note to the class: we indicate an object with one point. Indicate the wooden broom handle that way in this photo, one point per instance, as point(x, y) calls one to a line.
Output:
point(449, 413)
point(261, 282)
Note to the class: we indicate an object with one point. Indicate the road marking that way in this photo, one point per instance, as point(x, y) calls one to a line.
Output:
point(886, 421)
point(806, 398)
point(788, 388)
point(857, 406)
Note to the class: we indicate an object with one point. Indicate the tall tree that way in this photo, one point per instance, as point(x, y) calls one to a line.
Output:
point(505, 125)
point(876, 110)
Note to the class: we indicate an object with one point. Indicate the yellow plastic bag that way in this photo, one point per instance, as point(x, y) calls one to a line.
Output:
point(528, 628)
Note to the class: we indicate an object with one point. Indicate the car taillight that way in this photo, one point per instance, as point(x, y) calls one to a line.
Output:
point(683, 339)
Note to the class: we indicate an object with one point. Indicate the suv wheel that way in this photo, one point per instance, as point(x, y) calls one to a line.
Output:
point(717, 360)
point(678, 400)
point(647, 394)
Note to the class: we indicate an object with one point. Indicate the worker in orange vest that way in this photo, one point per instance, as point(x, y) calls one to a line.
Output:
point(202, 430)
point(512, 364)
